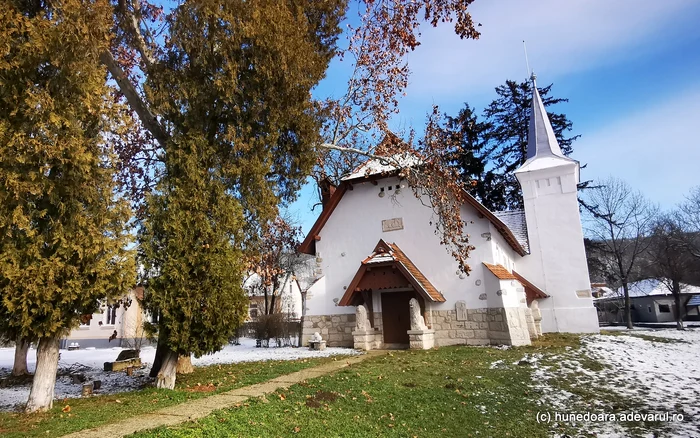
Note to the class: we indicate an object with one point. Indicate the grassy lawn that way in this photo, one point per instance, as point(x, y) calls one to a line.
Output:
point(451, 391)
point(71, 415)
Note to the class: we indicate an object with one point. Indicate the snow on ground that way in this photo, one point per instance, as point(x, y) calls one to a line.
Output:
point(646, 326)
point(90, 363)
point(659, 377)
point(667, 373)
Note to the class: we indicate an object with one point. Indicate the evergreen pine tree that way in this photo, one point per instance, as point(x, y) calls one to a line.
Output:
point(492, 149)
point(62, 226)
point(233, 88)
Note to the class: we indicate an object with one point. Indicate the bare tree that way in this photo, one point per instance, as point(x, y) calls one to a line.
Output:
point(621, 220)
point(670, 261)
point(273, 261)
point(690, 215)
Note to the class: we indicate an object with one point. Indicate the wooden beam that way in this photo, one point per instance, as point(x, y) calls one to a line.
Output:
point(317, 237)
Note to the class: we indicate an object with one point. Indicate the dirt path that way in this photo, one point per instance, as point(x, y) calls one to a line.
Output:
point(204, 406)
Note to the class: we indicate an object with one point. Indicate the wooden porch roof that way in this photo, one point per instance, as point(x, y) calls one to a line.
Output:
point(389, 254)
point(532, 292)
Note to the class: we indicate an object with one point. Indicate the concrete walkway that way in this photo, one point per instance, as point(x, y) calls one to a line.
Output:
point(202, 407)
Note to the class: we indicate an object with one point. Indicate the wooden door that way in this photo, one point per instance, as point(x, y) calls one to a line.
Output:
point(396, 317)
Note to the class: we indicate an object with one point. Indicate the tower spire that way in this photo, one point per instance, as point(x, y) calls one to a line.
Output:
point(541, 141)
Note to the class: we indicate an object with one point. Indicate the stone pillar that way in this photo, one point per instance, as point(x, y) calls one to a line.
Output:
point(363, 335)
point(536, 317)
point(530, 324)
point(421, 339)
point(508, 326)
point(364, 339)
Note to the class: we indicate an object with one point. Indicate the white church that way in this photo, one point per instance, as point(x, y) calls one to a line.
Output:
point(382, 279)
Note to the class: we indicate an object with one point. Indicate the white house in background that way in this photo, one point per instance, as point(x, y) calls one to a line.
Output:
point(288, 299)
point(114, 325)
point(375, 246)
point(651, 302)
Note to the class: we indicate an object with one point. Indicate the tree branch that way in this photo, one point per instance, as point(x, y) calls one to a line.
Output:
point(149, 120)
point(132, 22)
point(331, 146)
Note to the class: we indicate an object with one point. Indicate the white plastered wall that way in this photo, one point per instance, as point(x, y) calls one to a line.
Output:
point(355, 227)
point(557, 260)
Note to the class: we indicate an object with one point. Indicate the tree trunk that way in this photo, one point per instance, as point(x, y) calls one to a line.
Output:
point(267, 307)
point(628, 306)
point(303, 317)
point(161, 349)
point(41, 394)
point(273, 302)
point(21, 350)
point(679, 308)
point(168, 371)
point(184, 365)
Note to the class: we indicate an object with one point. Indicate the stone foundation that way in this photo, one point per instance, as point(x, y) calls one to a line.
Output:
point(508, 326)
point(532, 330)
point(482, 327)
point(336, 330)
point(450, 331)
point(421, 339)
point(367, 339)
point(500, 326)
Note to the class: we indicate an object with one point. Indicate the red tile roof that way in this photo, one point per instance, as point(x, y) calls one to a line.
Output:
point(532, 292)
point(500, 272)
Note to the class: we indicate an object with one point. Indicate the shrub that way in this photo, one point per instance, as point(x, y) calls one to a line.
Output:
point(276, 326)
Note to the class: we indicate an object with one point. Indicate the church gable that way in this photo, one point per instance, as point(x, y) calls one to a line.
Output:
point(308, 246)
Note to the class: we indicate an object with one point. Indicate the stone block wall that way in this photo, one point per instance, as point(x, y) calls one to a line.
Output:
point(450, 331)
point(499, 326)
point(508, 326)
point(336, 330)
point(482, 327)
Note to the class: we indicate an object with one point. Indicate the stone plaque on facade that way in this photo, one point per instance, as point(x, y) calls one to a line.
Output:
point(392, 224)
point(583, 293)
point(461, 307)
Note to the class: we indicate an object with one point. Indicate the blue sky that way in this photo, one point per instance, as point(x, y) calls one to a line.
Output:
point(630, 69)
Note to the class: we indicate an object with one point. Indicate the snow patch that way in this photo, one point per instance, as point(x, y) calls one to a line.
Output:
point(90, 363)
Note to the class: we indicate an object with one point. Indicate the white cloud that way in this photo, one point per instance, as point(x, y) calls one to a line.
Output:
point(656, 150)
point(562, 37)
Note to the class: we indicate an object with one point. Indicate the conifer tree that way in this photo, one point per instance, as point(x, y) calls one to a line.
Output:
point(62, 226)
point(492, 149)
point(232, 90)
